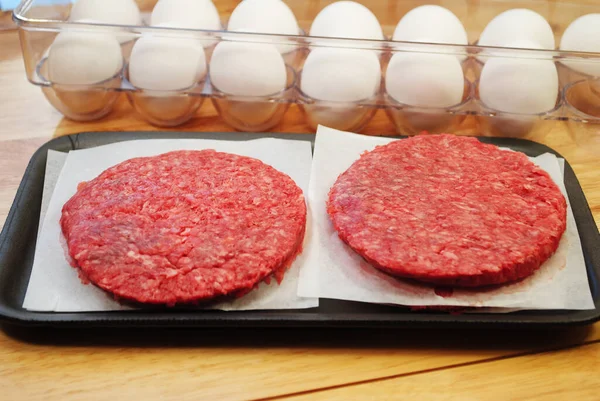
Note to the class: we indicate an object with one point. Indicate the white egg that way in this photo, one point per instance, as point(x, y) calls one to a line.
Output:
point(347, 19)
point(519, 85)
point(341, 75)
point(119, 12)
point(247, 69)
point(84, 58)
point(264, 16)
point(583, 35)
point(186, 14)
point(431, 23)
point(517, 24)
point(425, 80)
point(166, 63)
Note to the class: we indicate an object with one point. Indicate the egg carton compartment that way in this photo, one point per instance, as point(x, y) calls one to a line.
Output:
point(346, 116)
point(582, 111)
point(165, 108)
point(411, 120)
point(80, 102)
point(254, 113)
point(412, 103)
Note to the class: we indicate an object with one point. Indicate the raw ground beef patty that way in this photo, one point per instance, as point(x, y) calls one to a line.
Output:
point(448, 210)
point(184, 226)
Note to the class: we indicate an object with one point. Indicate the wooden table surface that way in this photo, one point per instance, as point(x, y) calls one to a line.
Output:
point(213, 364)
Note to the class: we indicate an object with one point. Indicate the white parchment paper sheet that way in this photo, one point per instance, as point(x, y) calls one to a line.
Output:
point(341, 274)
point(55, 286)
point(54, 163)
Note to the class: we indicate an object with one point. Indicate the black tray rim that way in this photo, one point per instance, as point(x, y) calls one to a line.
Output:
point(400, 317)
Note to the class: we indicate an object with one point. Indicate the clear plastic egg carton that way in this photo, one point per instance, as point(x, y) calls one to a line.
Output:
point(577, 99)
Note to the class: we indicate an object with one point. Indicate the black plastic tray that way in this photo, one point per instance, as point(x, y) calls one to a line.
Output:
point(17, 245)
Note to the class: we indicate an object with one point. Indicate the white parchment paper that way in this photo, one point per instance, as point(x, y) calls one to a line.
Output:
point(561, 283)
point(54, 163)
point(55, 286)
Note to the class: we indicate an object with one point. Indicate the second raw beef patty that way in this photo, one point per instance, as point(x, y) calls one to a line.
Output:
point(184, 226)
point(448, 210)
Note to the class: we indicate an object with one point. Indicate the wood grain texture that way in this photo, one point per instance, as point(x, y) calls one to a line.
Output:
point(241, 365)
point(549, 376)
point(12, 168)
point(47, 365)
